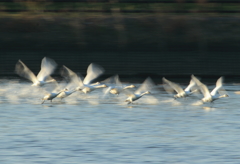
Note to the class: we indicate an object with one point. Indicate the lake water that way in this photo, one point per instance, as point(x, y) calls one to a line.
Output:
point(93, 128)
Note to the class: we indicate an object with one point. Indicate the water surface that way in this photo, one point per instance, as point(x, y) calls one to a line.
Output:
point(95, 129)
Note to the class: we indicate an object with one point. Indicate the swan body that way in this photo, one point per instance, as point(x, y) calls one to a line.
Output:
point(177, 88)
point(47, 68)
point(115, 91)
point(135, 97)
point(89, 88)
point(51, 96)
point(66, 93)
point(210, 96)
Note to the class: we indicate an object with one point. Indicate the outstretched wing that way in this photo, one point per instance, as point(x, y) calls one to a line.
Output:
point(22, 70)
point(128, 93)
point(218, 86)
point(190, 86)
point(47, 68)
point(147, 85)
point(93, 72)
point(202, 87)
point(71, 77)
point(173, 85)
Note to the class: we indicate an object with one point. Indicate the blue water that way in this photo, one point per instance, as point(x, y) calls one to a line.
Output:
point(93, 129)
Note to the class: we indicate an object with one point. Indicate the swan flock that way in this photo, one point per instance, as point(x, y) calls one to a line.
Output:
point(74, 82)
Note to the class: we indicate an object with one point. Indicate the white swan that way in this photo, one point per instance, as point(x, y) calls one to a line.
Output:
point(67, 93)
point(89, 88)
point(51, 96)
point(118, 90)
point(135, 96)
point(177, 88)
point(47, 68)
point(210, 96)
point(142, 90)
point(85, 85)
point(115, 86)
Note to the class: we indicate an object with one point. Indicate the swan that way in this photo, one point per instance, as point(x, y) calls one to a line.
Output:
point(90, 88)
point(118, 90)
point(115, 86)
point(93, 71)
point(47, 68)
point(51, 96)
point(141, 91)
point(67, 93)
point(135, 96)
point(210, 96)
point(177, 88)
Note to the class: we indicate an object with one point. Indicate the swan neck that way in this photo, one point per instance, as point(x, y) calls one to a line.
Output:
point(144, 93)
point(99, 86)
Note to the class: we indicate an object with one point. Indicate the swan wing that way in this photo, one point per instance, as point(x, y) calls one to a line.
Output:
point(117, 81)
point(22, 70)
point(196, 80)
point(107, 90)
point(128, 93)
point(168, 89)
point(111, 81)
point(93, 72)
point(59, 86)
point(51, 86)
point(202, 87)
point(190, 86)
point(147, 85)
point(218, 86)
point(47, 68)
point(71, 77)
point(204, 90)
point(173, 85)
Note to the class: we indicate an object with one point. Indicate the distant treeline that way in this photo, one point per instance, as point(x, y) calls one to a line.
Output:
point(142, 37)
point(120, 32)
point(122, 6)
point(129, 1)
